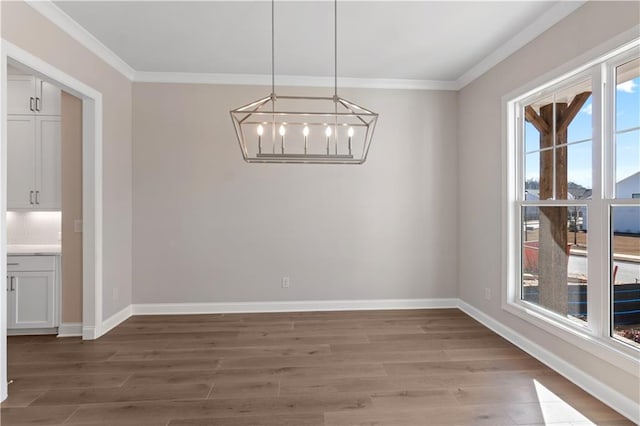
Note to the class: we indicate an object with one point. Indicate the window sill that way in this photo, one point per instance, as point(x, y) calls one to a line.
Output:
point(609, 349)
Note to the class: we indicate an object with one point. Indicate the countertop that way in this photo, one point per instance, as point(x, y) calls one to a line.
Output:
point(50, 249)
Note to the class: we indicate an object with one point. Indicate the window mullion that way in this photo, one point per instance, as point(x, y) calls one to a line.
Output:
point(597, 269)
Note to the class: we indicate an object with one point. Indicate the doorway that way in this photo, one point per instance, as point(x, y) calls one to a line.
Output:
point(91, 191)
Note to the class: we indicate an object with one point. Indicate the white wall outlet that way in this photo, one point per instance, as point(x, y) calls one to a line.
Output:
point(77, 225)
point(487, 293)
point(286, 282)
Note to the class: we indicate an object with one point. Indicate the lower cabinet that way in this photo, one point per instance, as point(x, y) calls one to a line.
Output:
point(32, 292)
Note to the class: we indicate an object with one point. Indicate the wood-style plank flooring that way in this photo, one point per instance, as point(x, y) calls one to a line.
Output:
point(410, 367)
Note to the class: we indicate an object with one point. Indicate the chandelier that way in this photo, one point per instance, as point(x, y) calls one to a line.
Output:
point(304, 129)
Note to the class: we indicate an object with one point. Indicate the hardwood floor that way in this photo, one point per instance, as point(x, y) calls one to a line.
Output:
point(416, 367)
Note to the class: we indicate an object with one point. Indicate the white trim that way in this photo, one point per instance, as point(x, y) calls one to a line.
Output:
point(619, 402)
point(3, 222)
point(586, 60)
point(31, 331)
point(551, 17)
point(116, 319)
point(92, 178)
point(70, 329)
point(67, 24)
point(607, 349)
point(89, 332)
point(291, 80)
point(294, 306)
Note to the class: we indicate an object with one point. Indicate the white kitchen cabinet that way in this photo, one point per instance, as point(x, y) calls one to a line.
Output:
point(33, 162)
point(27, 94)
point(31, 293)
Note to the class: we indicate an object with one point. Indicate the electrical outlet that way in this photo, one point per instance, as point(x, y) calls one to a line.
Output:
point(487, 293)
point(286, 282)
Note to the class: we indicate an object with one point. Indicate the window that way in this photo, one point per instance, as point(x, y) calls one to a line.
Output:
point(625, 218)
point(573, 212)
point(558, 174)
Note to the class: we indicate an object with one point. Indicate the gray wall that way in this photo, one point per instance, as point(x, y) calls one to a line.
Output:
point(71, 208)
point(480, 168)
point(26, 28)
point(210, 228)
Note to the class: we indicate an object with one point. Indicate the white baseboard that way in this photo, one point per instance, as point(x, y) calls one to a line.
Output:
point(31, 331)
point(89, 333)
point(115, 319)
point(614, 399)
point(295, 306)
point(70, 329)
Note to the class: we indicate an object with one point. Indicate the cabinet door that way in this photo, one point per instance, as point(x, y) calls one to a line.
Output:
point(21, 146)
point(48, 98)
point(21, 94)
point(32, 300)
point(48, 163)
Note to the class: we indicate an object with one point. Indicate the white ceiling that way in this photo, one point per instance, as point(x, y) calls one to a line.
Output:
point(376, 39)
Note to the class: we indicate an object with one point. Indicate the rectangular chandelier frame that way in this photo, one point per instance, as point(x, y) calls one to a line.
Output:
point(304, 129)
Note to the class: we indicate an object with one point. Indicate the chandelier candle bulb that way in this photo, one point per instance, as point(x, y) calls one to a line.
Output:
point(260, 131)
point(282, 132)
point(328, 133)
point(350, 134)
point(305, 133)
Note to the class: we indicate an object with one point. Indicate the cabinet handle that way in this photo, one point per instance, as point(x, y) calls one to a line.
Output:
point(37, 104)
point(37, 197)
point(31, 103)
point(13, 283)
point(30, 197)
point(13, 263)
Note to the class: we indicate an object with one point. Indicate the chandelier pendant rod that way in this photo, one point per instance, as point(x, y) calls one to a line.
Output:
point(335, 72)
point(335, 49)
point(273, 61)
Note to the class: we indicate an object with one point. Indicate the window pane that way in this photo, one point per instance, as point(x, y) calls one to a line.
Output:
point(573, 113)
point(554, 259)
point(628, 95)
point(627, 164)
point(627, 137)
point(531, 137)
point(579, 173)
point(625, 248)
point(581, 127)
point(532, 176)
point(535, 121)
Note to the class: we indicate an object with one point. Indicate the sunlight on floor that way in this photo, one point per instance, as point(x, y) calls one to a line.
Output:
point(555, 411)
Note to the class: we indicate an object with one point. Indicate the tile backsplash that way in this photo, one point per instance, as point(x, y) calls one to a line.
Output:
point(34, 227)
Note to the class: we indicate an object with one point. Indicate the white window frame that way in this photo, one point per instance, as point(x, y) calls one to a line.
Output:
point(594, 335)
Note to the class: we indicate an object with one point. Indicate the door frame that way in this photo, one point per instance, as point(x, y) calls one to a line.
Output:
point(92, 228)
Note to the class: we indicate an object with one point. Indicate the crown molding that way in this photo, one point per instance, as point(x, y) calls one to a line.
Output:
point(552, 16)
point(53, 13)
point(290, 80)
point(548, 19)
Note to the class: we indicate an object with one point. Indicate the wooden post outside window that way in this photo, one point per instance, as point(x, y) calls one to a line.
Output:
point(553, 254)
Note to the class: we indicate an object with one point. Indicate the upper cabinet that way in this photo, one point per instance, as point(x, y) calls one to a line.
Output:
point(30, 95)
point(33, 162)
point(33, 144)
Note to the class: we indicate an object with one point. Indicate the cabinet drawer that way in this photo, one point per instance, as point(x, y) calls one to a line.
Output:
point(31, 263)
